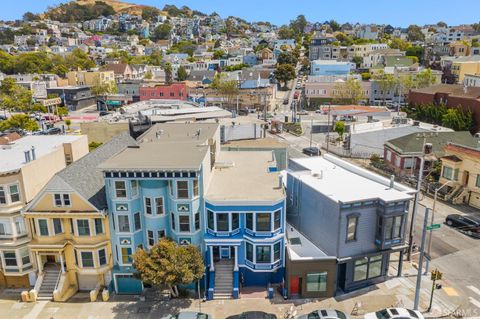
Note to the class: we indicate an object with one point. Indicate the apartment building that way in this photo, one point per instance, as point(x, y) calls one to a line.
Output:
point(27, 165)
point(90, 78)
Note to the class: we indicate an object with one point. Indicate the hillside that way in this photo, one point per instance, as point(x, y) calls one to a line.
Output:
point(118, 6)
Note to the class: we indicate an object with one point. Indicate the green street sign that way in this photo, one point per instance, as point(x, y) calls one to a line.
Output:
point(433, 227)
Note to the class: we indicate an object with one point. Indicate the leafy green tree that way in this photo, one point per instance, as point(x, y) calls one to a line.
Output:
point(285, 33)
point(414, 33)
point(287, 58)
point(218, 54)
point(340, 128)
point(226, 88)
point(75, 12)
point(458, 120)
point(168, 264)
point(29, 16)
point(366, 76)
point(19, 121)
point(334, 25)
point(150, 13)
point(102, 89)
point(386, 83)
point(162, 32)
point(416, 51)
point(358, 60)
point(93, 145)
point(298, 25)
point(148, 75)
point(285, 73)
point(68, 122)
point(15, 97)
point(182, 73)
point(397, 43)
point(441, 24)
point(350, 91)
point(425, 79)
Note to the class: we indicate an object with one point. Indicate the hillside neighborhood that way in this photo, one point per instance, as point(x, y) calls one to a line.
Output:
point(172, 163)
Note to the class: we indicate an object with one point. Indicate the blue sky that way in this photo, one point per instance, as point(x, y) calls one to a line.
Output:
point(397, 13)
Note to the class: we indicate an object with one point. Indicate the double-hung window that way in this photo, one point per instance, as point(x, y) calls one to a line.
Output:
point(160, 210)
point(83, 227)
point(102, 257)
point(222, 222)
point(150, 238)
point(277, 222)
point(148, 206)
point(126, 255)
point(10, 258)
point(263, 254)
point(276, 251)
point(197, 220)
point(235, 221)
point(393, 226)
point(98, 226)
point(62, 200)
point(173, 221)
point(120, 189)
point(25, 256)
point(87, 259)
point(14, 193)
point(264, 222)
point(195, 187)
point(184, 221)
point(136, 221)
point(249, 252)
point(249, 221)
point(123, 224)
point(3, 198)
point(182, 189)
point(43, 227)
point(134, 188)
point(57, 226)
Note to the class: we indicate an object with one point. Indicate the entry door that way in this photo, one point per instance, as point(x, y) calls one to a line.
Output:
point(225, 252)
point(294, 285)
point(50, 258)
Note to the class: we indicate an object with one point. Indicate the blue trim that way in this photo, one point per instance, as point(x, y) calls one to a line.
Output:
point(242, 208)
point(211, 285)
point(236, 284)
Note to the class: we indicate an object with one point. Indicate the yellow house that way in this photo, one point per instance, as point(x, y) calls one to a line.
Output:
point(90, 78)
point(460, 68)
point(26, 165)
point(70, 229)
point(461, 173)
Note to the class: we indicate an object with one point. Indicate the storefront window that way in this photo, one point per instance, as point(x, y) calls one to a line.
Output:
point(317, 282)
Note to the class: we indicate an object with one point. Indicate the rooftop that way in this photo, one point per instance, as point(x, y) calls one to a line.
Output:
point(452, 89)
point(167, 146)
point(13, 157)
point(244, 176)
point(300, 248)
point(345, 182)
point(267, 142)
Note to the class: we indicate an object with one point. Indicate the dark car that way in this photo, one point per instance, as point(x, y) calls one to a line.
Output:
point(103, 113)
point(253, 315)
point(53, 131)
point(468, 224)
point(311, 151)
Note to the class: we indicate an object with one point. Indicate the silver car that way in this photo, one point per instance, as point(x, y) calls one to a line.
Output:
point(324, 314)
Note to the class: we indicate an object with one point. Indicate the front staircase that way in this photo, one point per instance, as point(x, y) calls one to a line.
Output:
point(49, 283)
point(223, 280)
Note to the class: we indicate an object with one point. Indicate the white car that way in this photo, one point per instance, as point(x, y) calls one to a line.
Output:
point(191, 315)
point(324, 314)
point(395, 313)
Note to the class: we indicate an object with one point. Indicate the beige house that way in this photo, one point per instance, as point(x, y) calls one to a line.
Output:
point(27, 165)
point(461, 172)
point(90, 78)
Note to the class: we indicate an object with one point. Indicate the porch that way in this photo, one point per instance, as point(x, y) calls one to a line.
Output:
point(224, 280)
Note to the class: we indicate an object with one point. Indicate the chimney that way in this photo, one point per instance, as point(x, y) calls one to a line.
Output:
point(27, 156)
point(392, 181)
point(34, 155)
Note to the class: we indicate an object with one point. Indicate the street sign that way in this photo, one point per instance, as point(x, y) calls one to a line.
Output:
point(433, 227)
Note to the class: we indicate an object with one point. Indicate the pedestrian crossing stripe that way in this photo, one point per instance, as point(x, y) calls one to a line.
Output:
point(450, 291)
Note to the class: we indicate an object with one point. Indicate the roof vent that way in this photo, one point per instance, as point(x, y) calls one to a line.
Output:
point(27, 156)
point(318, 175)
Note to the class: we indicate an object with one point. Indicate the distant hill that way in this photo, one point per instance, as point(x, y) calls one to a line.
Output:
point(118, 6)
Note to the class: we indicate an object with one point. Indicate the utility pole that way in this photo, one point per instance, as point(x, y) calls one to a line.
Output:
point(311, 132)
point(328, 127)
point(420, 261)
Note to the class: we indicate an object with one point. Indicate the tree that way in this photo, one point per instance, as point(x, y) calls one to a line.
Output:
point(162, 32)
point(218, 54)
point(334, 25)
point(227, 88)
point(68, 122)
point(386, 83)
point(285, 73)
point(93, 145)
point(415, 51)
point(19, 121)
point(458, 120)
point(358, 60)
point(350, 91)
point(285, 33)
point(298, 25)
point(397, 43)
point(168, 73)
point(148, 75)
point(103, 89)
point(442, 24)
point(181, 73)
point(340, 128)
point(169, 264)
point(414, 33)
point(15, 97)
point(150, 13)
point(287, 58)
point(217, 44)
point(425, 79)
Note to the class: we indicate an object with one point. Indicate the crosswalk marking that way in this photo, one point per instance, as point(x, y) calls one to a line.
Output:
point(474, 289)
point(474, 302)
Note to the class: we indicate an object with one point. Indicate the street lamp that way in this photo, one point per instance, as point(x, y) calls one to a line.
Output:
point(427, 264)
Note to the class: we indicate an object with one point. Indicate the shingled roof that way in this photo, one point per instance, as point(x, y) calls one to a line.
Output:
point(84, 176)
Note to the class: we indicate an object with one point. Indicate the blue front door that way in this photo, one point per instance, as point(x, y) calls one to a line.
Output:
point(225, 252)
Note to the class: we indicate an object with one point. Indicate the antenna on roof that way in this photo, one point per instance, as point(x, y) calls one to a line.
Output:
point(197, 134)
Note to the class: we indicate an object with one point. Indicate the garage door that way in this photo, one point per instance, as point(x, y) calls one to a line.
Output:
point(87, 282)
point(128, 285)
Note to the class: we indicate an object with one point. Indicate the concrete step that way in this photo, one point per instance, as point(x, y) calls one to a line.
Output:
point(222, 296)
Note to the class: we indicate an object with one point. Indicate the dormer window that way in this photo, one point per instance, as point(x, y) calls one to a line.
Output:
point(62, 200)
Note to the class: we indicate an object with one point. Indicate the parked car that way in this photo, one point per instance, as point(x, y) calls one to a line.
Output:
point(103, 113)
point(311, 151)
point(468, 224)
point(318, 111)
point(395, 313)
point(253, 315)
point(285, 101)
point(324, 314)
point(53, 131)
point(191, 315)
point(302, 112)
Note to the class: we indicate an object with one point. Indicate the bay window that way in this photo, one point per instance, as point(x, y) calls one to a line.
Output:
point(134, 188)
point(235, 221)
point(277, 220)
point(184, 222)
point(222, 222)
point(126, 255)
point(83, 227)
point(249, 221)
point(159, 205)
point(3, 198)
point(123, 224)
point(276, 252)
point(148, 206)
point(182, 189)
point(25, 256)
point(263, 222)
point(10, 258)
point(120, 189)
point(249, 252)
point(197, 220)
point(210, 220)
point(195, 187)
point(43, 227)
point(102, 257)
point(14, 193)
point(87, 259)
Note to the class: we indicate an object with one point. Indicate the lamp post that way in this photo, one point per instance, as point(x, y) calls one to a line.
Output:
point(418, 285)
point(427, 264)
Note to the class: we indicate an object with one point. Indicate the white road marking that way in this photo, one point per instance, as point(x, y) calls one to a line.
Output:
point(474, 289)
point(474, 302)
point(37, 309)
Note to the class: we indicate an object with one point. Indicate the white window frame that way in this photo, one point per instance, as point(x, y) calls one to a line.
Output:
point(115, 189)
point(37, 221)
point(80, 259)
point(136, 193)
point(152, 238)
point(188, 189)
point(61, 226)
point(272, 253)
point(145, 206)
point(95, 226)
point(10, 193)
point(180, 224)
point(134, 222)
point(158, 234)
point(118, 224)
point(156, 206)
point(98, 257)
point(62, 200)
point(5, 195)
point(77, 233)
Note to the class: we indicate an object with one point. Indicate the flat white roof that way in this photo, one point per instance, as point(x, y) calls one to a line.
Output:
point(344, 182)
point(300, 248)
point(12, 156)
